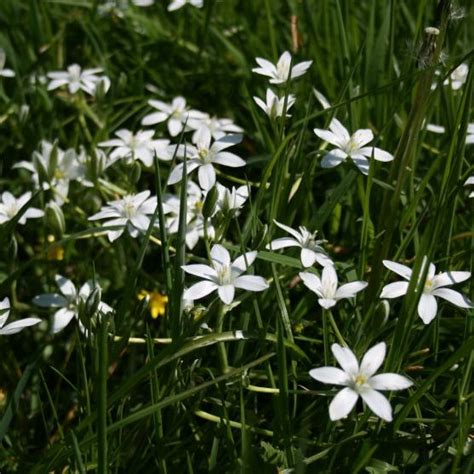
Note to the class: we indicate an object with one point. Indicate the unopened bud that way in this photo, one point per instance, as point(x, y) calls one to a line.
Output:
point(55, 218)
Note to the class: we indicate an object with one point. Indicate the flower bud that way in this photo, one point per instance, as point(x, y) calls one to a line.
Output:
point(55, 218)
point(210, 203)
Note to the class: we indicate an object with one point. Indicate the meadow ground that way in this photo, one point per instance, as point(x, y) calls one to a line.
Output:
point(236, 236)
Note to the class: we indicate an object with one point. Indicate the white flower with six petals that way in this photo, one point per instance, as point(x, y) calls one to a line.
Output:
point(280, 72)
point(274, 105)
point(77, 79)
point(10, 206)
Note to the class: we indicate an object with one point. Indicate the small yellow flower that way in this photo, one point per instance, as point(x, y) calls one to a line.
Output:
point(55, 252)
point(157, 302)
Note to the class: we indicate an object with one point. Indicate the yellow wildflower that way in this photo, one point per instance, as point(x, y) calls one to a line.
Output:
point(157, 302)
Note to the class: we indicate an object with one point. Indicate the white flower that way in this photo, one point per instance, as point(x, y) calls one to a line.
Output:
point(3, 71)
point(176, 4)
point(351, 146)
point(326, 286)
point(130, 212)
point(10, 206)
point(231, 200)
point(68, 302)
point(470, 182)
point(458, 77)
point(470, 134)
point(206, 127)
point(280, 73)
point(434, 286)
point(175, 113)
point(224, 276)
point(204, 156)
point(311, 251)
point(274, 105)
point(16, 326)
point(138, 146)
point(360, 381)
point(321, 99)
point(54, 169)
point(77, 79)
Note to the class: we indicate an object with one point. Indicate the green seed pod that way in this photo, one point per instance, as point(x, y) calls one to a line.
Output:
point(210, 203)
point(55, 218)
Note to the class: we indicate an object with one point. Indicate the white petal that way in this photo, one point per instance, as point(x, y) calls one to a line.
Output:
point(154, 118)
point(141, 222)
point(453, 297)
point(330, 375)
point(251, 283)
point(349, 290)
point(346, 359)
point(61, 319)
point(362, 163)
point(373, 359)
point(378, 154)
point(19, 325)
point(199, 290)
point(220, 255)
point(390, 381)
point(329, 137)
point(323, 259)
point(362, 137)
point(282, 243)
point(200, 270)
point(327, 303)
point(339, 130)
point(288, 229)
point(378, 403)
point(427, 308)
point(313, 282)
point(207, 176)
point(333, 158)
point(66, 287)
point(398, 268)
point(342, 404)
point(226, 158)
point(394, 290)
point(50, 300)
point(449, 278)
point(240, 264)
point(226, 293)
point(308, 257)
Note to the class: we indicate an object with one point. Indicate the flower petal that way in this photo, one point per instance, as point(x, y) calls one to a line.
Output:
point(226, 293)
point(331, 375)
point(394, 290)
point(427, 308)
point(390, 381)
point(200, 270)
point(378, 403)
point(17, 326)
point(333, 158)
point(449, 278)
point(313, 282)
point(199, 290)
point(66, 287)
point(282, 243)
point(308, 257)
point(240, 264)
point(453, 297)
point(220, 255)
point(50, 300)
point(342, 404)
point(207, 176)
point(346, 359)
point(61, 319)
point(398, 268)
point(349, 290)
point(373, 359)
point(251, 283)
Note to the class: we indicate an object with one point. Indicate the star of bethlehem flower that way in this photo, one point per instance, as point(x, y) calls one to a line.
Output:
point(224, 276)
point(326, 287)
point(131, 213)
point(311, 250)
point(177, 4)
point(360, 381)
point(194, 218)
point(279, 73)
point(68, 301)
point(470, 182)
point(175, 114)
point(434, 286)
point(4, 72)
point(206, 127)
point(53, 168)
point(75, 78)
point(139, 146)
point(350, 146)
point(204, 156)
point(231, 200)
point(274, 105)
point(10, 206)
point(15, 326)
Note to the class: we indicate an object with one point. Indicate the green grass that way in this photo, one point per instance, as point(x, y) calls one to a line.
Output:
point(165, 395)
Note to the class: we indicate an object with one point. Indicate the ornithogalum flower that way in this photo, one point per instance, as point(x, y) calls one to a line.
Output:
point(434, 286)
point(274, 105)
point(231, 200)
point(10, 206)
point(350, 146)
point(15, 326)
point(139, 146)
point(360, 381)
point(176, 4)
point(206, 127)
point(68, 302)
point(175, 114)
point(77, 79)
point(224, 276)
point(279, 73)
point(326, 287)
point(311, 250)
point(156, 302)
point(204, 156)
point(4, 72)
point(131, 213)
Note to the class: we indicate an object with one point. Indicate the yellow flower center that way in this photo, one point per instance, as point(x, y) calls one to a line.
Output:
point(360, 380)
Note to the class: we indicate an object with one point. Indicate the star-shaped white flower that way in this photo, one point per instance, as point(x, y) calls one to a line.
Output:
point(176, 4)
point(204, 156)
point(78, 79)
point(139, 146)
point(10, 206)
point(206, 127)
point(326, 286)
point(280, 72)
point(434, 287)
point(175, 114)
point(68, 302)
point(15, 326)
point(224, 276)
point(3, 70)
point(360, 381)
point(231, 200)
point(350, 146)
point(130, 212)
point(273, 106)
point(311, 250)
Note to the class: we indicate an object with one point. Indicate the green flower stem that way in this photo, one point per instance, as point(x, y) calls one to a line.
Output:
point(325, 336)
point(221, 349)
point(336, 329)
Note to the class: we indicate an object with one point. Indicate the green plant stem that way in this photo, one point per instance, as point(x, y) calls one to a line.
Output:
point(336, 329)
point(221, 349)
point(102, 368)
